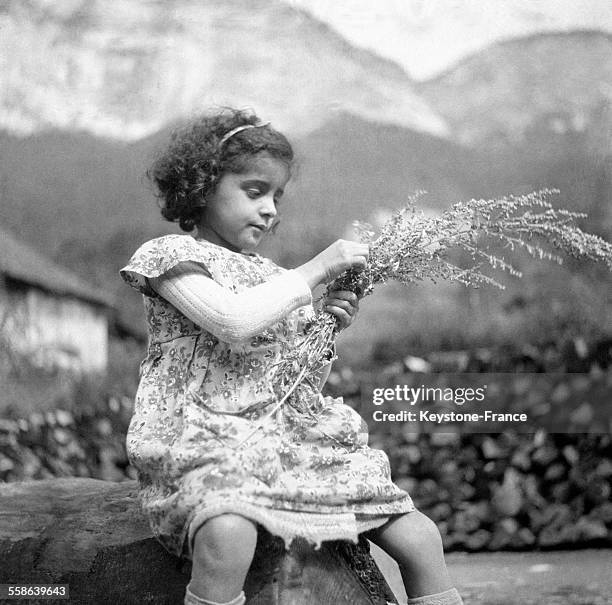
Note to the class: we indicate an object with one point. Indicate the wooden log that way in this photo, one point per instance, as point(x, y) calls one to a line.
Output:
point(90, 535)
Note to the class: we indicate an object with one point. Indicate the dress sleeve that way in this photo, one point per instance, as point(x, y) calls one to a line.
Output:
point(157, 256)
point(230, 316)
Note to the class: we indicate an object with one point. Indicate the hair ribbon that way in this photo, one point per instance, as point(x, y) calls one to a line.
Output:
point(238, 129)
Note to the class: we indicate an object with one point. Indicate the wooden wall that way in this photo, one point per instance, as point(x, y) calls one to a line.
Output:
point(53, 331)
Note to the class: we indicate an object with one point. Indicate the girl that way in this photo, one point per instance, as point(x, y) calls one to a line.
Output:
point(212, 464)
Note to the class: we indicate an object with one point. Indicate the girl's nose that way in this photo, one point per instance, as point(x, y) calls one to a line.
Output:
point(268, 207)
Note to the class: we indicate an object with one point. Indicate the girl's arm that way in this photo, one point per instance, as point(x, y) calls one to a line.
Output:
point(229, 316)
point(233, 317)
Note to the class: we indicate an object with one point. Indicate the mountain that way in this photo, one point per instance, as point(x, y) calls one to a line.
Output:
point(128, 68)
point(426, 37)
point(561, 83)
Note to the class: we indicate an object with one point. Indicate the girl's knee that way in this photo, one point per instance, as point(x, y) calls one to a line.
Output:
point(227, 538)
point(423, 529)
point(411, 536)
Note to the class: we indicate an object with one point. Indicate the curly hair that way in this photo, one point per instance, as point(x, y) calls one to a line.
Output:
point(187, 173)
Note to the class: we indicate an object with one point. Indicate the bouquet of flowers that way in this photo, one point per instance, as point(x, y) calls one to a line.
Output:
point(414, 247)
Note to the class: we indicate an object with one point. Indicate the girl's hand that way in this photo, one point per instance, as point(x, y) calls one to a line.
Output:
point(340, 256)
point(344, 305)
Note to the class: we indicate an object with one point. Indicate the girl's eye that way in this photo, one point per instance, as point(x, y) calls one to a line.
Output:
point(253, 193)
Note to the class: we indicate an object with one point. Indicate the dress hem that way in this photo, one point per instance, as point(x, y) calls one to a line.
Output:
point(315, 528)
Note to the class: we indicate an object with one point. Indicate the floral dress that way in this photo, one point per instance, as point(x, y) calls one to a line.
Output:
point(202, 442)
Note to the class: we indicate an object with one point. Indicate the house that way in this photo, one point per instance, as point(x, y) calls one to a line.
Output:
point(48, 314)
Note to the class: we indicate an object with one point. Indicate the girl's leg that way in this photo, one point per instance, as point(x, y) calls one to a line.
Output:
point(222, 553)
point(414, 541)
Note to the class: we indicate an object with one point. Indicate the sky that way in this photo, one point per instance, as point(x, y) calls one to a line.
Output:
point(428, 36)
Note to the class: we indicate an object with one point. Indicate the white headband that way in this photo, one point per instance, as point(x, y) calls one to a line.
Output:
point(238, 129)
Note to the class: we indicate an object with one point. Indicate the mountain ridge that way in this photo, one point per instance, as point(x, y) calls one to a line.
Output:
point(126, 75)
point(426, 38)
point(562, 81)
point(562, 35)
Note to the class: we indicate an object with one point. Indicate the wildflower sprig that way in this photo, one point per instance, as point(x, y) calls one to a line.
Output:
point(412, 247)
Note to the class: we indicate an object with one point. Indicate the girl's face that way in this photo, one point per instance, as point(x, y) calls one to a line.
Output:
point(243, 207)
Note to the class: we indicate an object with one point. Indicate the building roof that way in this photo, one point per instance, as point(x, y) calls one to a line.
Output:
point(20, 262)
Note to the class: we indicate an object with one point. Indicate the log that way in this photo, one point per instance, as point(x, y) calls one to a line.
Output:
point(90, 535)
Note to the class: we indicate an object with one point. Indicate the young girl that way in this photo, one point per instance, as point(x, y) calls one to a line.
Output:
point(212, 463)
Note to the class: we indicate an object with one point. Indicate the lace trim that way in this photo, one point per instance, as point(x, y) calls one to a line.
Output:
point(290, 525)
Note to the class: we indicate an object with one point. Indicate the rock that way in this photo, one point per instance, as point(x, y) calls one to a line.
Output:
point(36, 419)
point(64, 418)
point(457, 539)
point(466, 492)
point(478, 540)
point(560, 492)
point(8, 426)
point(571, 454)
point(31, 464)
point(598, 491)
point(603, 512)
point(578, 477)
point(590, 529)
point(468, 455)
point(509, 525)
point(62, 436)
point(526, 537)
point(554, 536)
point(90, 535)
point(104, 427)
point(500, 539)
point(521, 460)
point(555, 472)
point(465, 522)
point(539, 438)
point(449, 467)
point(544, 455)
point(509, 535)
point(561, 393)
point(604, 468)
point(582, 415)
point(417, 364)
point(440, 512)
point(427, 492)
point(532, 492)
point(413, 453)
point(491, 449)
point(507, 498)
point(554, 515)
